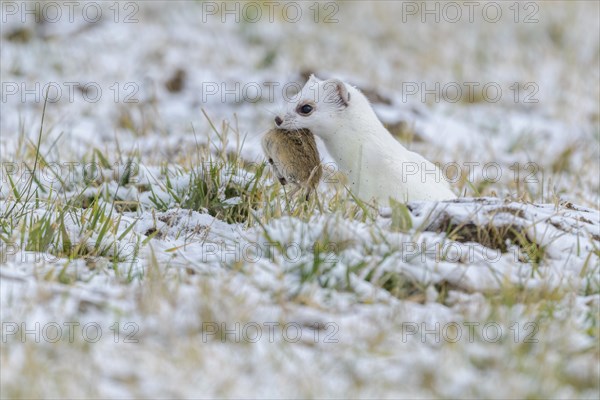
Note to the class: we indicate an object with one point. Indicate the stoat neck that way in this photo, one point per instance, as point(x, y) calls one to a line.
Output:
point(355, 139)
point(360, 131)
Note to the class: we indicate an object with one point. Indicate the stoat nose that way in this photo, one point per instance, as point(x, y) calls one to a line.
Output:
point(278, 120)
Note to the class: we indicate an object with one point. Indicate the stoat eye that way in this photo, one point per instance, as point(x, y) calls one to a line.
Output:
point(306, 109)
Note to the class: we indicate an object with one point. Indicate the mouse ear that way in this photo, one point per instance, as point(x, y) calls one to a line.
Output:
point(336, 92)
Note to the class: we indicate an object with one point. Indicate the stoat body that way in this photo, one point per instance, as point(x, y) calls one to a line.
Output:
point(376, 164)
point(294, 157)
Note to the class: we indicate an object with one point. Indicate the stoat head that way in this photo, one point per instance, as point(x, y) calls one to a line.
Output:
point(319, 107)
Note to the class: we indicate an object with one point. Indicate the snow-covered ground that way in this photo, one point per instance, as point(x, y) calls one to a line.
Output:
point(172, 292)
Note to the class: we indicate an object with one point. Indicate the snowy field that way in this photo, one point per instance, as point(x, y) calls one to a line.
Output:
point(147, 252)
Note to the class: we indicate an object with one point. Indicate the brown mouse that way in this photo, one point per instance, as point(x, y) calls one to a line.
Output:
point(294, 157)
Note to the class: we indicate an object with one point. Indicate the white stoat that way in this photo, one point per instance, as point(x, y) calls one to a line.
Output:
point(377, 165)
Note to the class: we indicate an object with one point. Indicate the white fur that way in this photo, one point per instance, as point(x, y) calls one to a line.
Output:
point(377, 165)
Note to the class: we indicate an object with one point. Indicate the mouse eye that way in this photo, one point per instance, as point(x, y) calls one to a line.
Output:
point(306, 109)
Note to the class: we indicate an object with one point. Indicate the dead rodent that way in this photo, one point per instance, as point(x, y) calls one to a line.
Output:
point(294, 158)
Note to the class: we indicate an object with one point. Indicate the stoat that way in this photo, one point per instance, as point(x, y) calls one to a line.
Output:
point(294, 157)
point(377, 165)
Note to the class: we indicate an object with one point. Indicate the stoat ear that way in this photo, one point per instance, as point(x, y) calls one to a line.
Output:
point(337, 92)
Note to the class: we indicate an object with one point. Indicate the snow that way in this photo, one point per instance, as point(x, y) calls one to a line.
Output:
point(189, 302)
